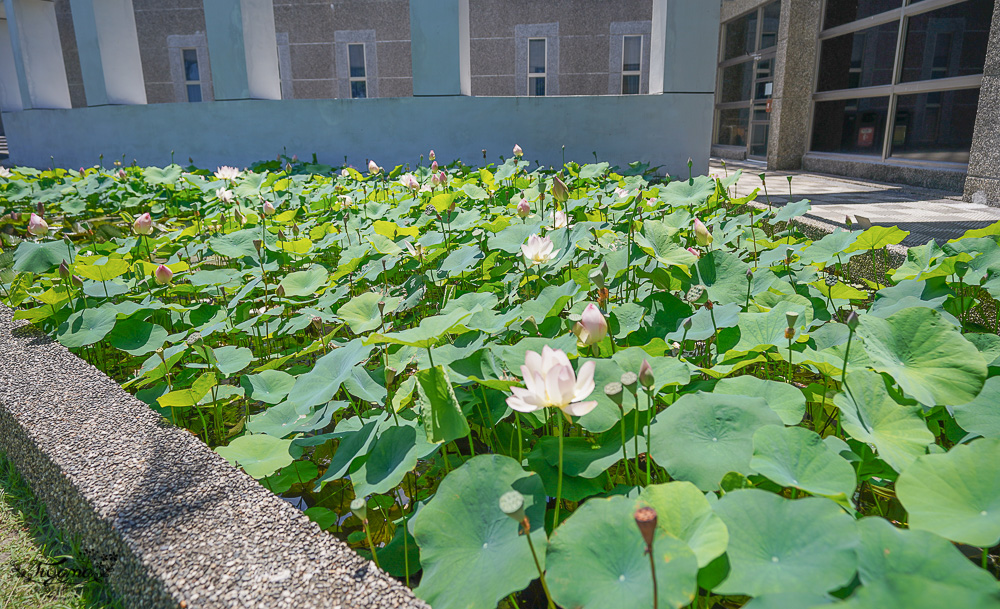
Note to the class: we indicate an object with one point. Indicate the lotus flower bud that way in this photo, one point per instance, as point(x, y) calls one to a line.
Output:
point(431, 155)
point(517, 151)
point(288, 168)
point(268, 208)
point(280, 291)
point(360, 509)
point(646, 374)
point(442, 178)
point(435, 180)
point(688, 323)
point(77, 281)
point(792, 318)
point(281, 235)
point(523, 208)
point(675, 348)
point(41, 208)
point(701, 234)
point(390, 375)
point(694, 252)
point(749, 275)
point(615, 391)
point(629, 380)
point(512, 504)
point(121, 174)
point(163, 274)
point(559, 191)
point(592, 327)
point(645, 519)
point(852, 320)
point(143, 225)
point(15, 216)
point(295, 158)
point(37, 226)
point(373, 168)
point(64, 270)
point(434, 166)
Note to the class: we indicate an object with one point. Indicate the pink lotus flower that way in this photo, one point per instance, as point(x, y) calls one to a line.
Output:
point(432, 156)
point(373, 168)
point(121, 174)
point(37, 226)
point(559, 191)
point(517, 151)
point(435, 180)
point(538, 250)
point(442, 178)
point(268, 208)
point(592, 327)
point(143, 225)
point(434, 166)
point(550, 382)
point(694, 252)
point(523, 208)
point(646, 374)
point(701, 234)
point(621, 193)
point(163, 275)
point(409, 181)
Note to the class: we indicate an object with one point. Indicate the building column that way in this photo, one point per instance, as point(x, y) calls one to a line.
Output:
point(683, 46)
point(108, 45)
point(37, 54)
point(983, 182)
point(791, 101)
point(242, 49)
point(439, 47)
point(10, 89)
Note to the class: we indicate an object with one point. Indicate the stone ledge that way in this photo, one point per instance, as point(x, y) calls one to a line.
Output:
point(170, 523)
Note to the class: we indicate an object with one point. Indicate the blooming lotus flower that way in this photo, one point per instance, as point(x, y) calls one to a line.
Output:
point(225, 195)
point(344, 173)
point(163, 274)
point(621, 193)
point(538, 250)
point(432, 156)
point(373, 168)
point(415, 249)
point(37, 226)
point(694, 252)
point(346, 201)
point(517, 151)
point(4, 172)
point(559, 219)
point(268, 208)
point(701, 234)
point(409, 181)
point(523, 208)
point(551, 383)
point(592, 327)
point(227, 173)
point(143, 225)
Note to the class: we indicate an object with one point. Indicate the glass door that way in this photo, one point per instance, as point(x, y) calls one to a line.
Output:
point(760, 117)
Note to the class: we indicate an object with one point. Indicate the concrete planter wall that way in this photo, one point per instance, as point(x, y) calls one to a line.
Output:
point(169, 522)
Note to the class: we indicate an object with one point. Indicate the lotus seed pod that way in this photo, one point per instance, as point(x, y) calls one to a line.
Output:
point(381, 305)
point(512, 504)
point(852, 320)
point(194, 339)
point(615, 391)
point(317, 323)
point(646, 374)
point(761, 176)
point(256, 244)
point(792, 318)
point(629, 380)
point(597, 278)
point(604, 269)
point(830, 281)
point(645, 519)
point(360, 509)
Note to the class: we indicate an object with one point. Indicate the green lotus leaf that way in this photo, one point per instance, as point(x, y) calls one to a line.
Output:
point(137, 337)
point(903, 591)
point(259, 455)
point(440, 411)
point(877, 237)
point(886, 551)
point(777, 545)
point(31, 257)
point(287, 418)
point(304, 283)
point(789, 211)
point(666, 370)
point(299, 472)
point(467, 543)
point(268, 386)
point(230, 360)
point(797, 457)
point(393, 455)
point(870, 414)
point(982, 415)
point(428, 333)
point(597, 558)
point(926, 355)
point(86, 327)
point(684, 512)
point(956, 494)
point(362, 313)
point(688, 193)
point(321, 383)
point(784, 399)
point(703, 436)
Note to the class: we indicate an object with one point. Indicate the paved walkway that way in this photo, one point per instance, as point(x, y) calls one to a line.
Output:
point(927, 214)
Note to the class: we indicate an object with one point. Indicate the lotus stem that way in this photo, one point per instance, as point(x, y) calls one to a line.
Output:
point(559, 482)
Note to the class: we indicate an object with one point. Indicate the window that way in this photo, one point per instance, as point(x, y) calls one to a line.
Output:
point(192, 78)
point(920, 67)
point(536, 67)
point(359, 83)
point(746, 80)
point(631, 64)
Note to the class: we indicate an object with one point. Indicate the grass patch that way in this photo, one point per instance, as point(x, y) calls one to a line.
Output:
point(40, 568)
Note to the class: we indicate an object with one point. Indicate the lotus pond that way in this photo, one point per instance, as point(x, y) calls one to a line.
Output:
point(524, 387)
